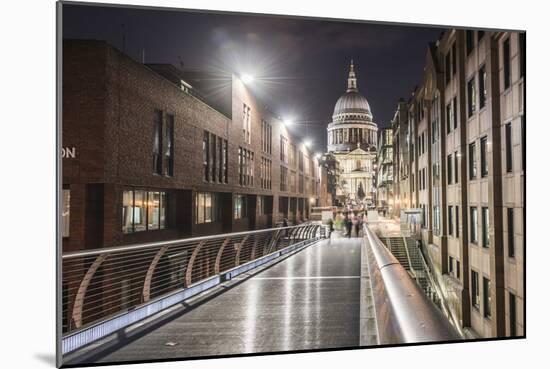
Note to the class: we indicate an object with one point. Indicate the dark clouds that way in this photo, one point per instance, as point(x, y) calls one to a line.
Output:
point(300, 65)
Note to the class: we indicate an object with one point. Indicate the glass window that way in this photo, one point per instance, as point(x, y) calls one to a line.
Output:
point(508, 134)
point(213, 156)
point(246, 123)
point(506, 62)
point(169, 151)
point(200, 207)
point(510, 220)
point(127, 215)
point(206, 208)
point(449, 117)
point(473, 225)
point(475, 290)
point(225, 178)
point(157, 142)
point(140, 206)
point(451, 265)
point(239, 209)
point(206, 155)
point(482, 87)
point(143, 210)
point(66, 213)
point(437, 220)
point(458, 269)
point(484, 161)
point(486, 298)
point(457, 220)
point(163, 205)
point(485, 226)
point(449, 169)
point(471, 97)
point(456, 166)
point(450, 216)
point(153, 210)
point(473, 160)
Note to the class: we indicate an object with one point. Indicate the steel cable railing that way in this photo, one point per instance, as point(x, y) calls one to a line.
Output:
point(101, 283)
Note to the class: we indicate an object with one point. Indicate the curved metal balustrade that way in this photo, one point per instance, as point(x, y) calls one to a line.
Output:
point(104, 283)
point(404, 314)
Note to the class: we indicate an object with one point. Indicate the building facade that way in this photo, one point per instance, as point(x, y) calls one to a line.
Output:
point(384, 172)
point(352, 139)
point(145, 158)
point(401, 164)
point(465, 136)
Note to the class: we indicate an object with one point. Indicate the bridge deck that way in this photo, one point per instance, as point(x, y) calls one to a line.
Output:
point(311, 300)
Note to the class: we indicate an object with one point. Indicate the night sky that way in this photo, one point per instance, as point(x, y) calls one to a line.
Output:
point(300, 66)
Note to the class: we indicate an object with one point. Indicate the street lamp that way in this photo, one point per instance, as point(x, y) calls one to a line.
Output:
point(247, 78)
point(307, 142)
point(288, 122)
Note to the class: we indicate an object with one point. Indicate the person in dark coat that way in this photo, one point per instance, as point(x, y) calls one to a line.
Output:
point(330, 227)
point(349, 225)
point(285, 224)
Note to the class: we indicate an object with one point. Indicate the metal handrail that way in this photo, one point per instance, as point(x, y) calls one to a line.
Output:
point(404, 313)
point(101, 283)
point(71, 254)
point(410, 260)
point(435, 285)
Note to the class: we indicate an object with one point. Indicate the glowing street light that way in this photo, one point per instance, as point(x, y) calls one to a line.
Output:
point(288, 122)
point(307, 142)
point(318, 156)
point(247, 78)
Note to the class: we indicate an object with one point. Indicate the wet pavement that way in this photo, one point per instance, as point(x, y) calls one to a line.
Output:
point(311, 300)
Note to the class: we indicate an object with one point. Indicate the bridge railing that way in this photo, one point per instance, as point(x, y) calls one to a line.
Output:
point(103, 284)
point(404, 314)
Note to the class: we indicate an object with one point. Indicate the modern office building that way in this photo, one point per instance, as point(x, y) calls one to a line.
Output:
point(460, 141)
point(352, 137)
point(147, 156)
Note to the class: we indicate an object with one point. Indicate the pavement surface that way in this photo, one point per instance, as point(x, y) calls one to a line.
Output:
point(311, 300)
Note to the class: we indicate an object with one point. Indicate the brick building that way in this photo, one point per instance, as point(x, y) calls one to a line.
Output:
point(146, 158)
point(464, 134)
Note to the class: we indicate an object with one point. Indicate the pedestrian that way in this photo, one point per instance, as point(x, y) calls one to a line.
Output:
point(358, 226)
point(348, 226)
point(285, 224)
point(330, 227)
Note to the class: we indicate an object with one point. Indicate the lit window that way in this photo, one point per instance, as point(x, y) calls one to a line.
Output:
point(206, 210)
point(486, 298)
point(239, 208)
point(485, 226)
point(473, 224)
point(143, 210)
point(475, 289)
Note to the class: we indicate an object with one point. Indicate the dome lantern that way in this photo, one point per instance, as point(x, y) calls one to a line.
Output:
point(352, 80)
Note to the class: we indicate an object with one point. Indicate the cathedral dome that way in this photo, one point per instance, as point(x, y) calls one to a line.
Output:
point(352, 106)
point(352, 102)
